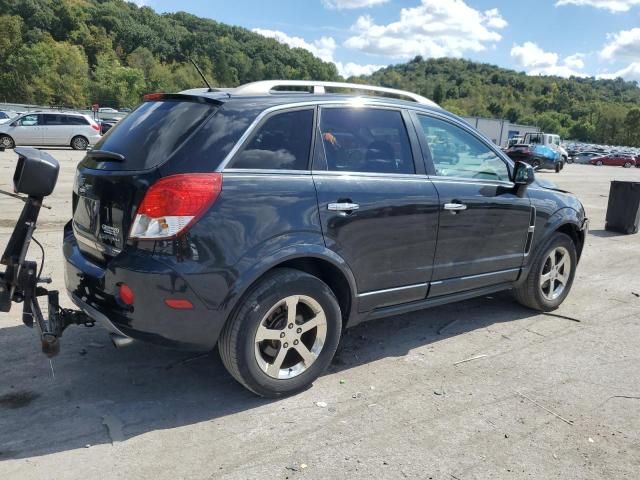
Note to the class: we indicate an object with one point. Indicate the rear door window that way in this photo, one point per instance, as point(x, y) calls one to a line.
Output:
point(50, 119)
point(368, 140)
point(283, 142)
point(149, 135)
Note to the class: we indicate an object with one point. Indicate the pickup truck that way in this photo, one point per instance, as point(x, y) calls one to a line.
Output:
point(540, 150)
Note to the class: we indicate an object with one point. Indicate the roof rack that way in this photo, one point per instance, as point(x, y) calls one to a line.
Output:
point(319, 87)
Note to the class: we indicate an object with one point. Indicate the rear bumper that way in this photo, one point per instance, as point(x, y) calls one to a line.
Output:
point(94, 289)
point(93, 139)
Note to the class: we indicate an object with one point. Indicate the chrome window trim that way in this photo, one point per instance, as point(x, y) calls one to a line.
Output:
point(479, 137)
point(474, 181)
point(265, 171)
point(349, 173)
point(394, 108)
point(356, 102)
point(258, 122)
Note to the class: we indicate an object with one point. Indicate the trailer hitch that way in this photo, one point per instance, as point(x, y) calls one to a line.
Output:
point(35, 176)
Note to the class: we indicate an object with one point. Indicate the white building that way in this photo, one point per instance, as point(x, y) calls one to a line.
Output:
point(499, 131)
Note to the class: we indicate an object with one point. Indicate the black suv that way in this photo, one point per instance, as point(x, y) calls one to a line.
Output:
point(266, 221)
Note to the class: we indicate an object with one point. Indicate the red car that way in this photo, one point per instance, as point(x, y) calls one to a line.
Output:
point(614, 160)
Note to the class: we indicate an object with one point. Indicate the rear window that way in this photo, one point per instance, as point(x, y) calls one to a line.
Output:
point(75, 120)
point(153, 132)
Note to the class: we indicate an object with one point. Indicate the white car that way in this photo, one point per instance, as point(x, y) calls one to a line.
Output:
point(67, 129)
point(5, 116)
point(107, 110)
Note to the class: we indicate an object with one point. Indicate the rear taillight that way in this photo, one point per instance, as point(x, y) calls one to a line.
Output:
point(95, 126)
point(173, 203)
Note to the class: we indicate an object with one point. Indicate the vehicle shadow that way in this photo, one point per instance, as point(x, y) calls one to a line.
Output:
point(101, 395)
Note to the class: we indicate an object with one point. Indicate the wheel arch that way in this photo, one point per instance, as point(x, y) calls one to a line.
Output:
point(313, 259)
point(568, 221)
point(575, 233)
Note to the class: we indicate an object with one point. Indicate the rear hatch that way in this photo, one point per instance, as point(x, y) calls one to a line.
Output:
point(112, 179)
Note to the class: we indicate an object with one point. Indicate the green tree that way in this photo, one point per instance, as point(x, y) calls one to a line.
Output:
point(632, 125)
point(115, 85)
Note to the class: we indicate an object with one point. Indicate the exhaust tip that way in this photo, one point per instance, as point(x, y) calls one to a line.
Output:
point(120, 341)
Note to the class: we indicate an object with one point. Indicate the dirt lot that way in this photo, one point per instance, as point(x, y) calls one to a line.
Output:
point(549, 397)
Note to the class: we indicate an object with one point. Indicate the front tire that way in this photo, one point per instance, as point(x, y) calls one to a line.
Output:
point(284, 334)
point(599, 163)
point(7, 142)
point(627, 165)
point(79, 143)
point(551, 276)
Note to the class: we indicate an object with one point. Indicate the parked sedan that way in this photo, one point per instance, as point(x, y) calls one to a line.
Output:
point(50, 129)
point(614, 161)
point(585, 157)
point(4, 116)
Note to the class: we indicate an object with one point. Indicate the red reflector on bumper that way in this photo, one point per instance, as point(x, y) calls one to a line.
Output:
point(178, 304)
point(126, 294)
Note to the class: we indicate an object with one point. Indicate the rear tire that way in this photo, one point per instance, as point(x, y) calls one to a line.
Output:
point(535, 163)
point(284, 334)
point(7, 142)
point(558, 168)
point(551, 276)
point(79, 143)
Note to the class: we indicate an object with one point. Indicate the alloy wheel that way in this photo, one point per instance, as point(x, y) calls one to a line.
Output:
point(80, 143)
point(290, 337)
point(556, 271)
point(6, 142)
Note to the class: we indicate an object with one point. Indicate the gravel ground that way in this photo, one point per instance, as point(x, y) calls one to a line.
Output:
point(546, 397)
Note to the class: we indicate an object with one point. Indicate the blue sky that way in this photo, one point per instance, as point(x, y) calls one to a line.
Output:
point(562, 37)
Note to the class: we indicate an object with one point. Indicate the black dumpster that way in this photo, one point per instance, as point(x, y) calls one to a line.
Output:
point(623, 211)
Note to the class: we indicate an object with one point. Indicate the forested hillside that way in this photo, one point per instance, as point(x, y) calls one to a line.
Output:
point(78, 52)
point(603, 111)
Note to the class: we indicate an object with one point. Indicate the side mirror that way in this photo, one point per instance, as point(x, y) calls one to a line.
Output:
point(14, 124)
point(36, 173)
point(523, 174)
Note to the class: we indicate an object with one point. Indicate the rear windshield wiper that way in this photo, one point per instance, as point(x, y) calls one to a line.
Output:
point(107, 155)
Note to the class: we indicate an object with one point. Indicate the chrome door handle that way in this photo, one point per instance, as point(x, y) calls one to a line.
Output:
point(455, 207)
point(343, 207)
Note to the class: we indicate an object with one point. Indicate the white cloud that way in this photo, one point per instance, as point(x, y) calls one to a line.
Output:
point(575, 61)
point(435, 28)
point(538, 62)
point(632, 72)
point(494, 19)
point(623, 45)
point(349, 4)
point(323, 48)
point(351, 69)
point(614, 6)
